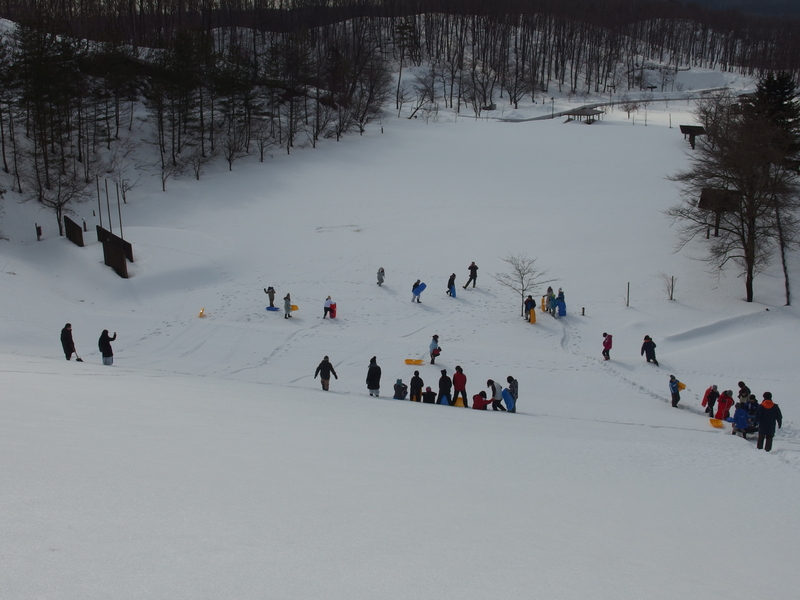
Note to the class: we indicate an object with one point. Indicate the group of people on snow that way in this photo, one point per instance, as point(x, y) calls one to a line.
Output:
point(103, 344)
point(419, 286)
point(749, 416)
point(451, 391)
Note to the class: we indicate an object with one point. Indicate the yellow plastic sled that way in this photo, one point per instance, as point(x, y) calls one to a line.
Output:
point(294, 307)
point(681, 386)
point(202, 313)
point(459, 402)
point(716, 423)
point(414, 361)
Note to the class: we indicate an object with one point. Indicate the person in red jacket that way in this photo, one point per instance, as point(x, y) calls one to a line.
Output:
point(480, 402)
point(607, 341)
point(460, 386)
point(724, 405)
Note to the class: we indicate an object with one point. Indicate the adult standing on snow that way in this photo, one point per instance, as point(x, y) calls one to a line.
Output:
point(373, 377)
point(104, 345)
point(381, 275)
point(445, 389)
point(434, 349)
point(674, 390)
point(66, 341)
point(649, 350)
point(744, 392)
point(497, 395)
point(607, 343)
point(327, 307)
point(460, 386)
point(767, 415)
point(270, 291)
point(710, 399)
point(415, 385)
point(324, 370)
point(530, 304)
point(287, 307)
point(473, 274)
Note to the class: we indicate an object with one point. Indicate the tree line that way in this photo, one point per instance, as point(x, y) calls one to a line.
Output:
point(229, 78)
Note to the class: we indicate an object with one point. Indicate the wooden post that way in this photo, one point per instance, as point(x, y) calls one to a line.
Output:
point(583, 311)
point(99, 206)
point(628, 298)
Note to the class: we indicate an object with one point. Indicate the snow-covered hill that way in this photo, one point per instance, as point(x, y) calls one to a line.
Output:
point(207, 463)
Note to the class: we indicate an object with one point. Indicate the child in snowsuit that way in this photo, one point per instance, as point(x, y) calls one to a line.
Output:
point(381, 274)
point(414, 295)
point(428, 396)
point(530, 304)
point(434, 349)
point(674, 390)
point(607, 346)
point(649, 350)
point(479, 401)
point(724, 404)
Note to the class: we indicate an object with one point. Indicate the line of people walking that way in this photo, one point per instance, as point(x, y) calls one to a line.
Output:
point(749, 416)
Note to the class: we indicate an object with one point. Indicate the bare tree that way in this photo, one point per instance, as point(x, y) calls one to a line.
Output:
point(523, 276)
point(669, 284)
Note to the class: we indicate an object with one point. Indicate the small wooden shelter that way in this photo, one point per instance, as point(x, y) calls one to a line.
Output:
point(692, 131)
point(589, 114)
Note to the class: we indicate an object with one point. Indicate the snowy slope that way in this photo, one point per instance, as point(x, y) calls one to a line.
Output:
point(206, 463)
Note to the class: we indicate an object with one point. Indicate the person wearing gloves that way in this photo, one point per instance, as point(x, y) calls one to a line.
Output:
point(324, 370)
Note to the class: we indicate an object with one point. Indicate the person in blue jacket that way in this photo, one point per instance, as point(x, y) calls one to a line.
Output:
point(649, 350)
point(674, 390)
point(530, 304)
point(741, 421)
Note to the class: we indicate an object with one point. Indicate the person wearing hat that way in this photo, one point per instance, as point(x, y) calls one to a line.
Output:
point(429, 396)
point(327, 307)
point(66, 341)
point(530, 304)
point(445, 389)
point(416, 384)
point(710, 399)
point(768, 415)
point(325, 369)
point(434, 348)
point(373, 377)
point(400, 390)
point(104, 345)
point(674, 390)
point(473, 274)
point(287, 306)
point(381, 275)
point(649, 350)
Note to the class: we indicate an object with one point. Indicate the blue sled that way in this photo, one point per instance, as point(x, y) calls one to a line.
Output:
point(511, 405)
point(273, 308)
point(419, 289)
point(562, 309)
point(452, 291)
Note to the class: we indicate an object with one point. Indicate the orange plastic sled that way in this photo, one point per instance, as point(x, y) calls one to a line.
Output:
point(716, 423)
point(414, 361)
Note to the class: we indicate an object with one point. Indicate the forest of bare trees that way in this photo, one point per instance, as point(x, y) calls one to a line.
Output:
point(223, 79)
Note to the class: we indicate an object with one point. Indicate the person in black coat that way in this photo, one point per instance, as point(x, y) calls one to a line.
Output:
point(416, 385)
point(445, 388)
point(429, 396)
point(104, 345)
point(451, 284)
point(649, 350)
point(373, 377)
point(324, 370)
point(767, 415)
point(473, 274)
point(66, 341)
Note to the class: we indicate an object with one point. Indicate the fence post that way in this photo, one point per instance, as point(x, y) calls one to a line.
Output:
point(628, 297)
